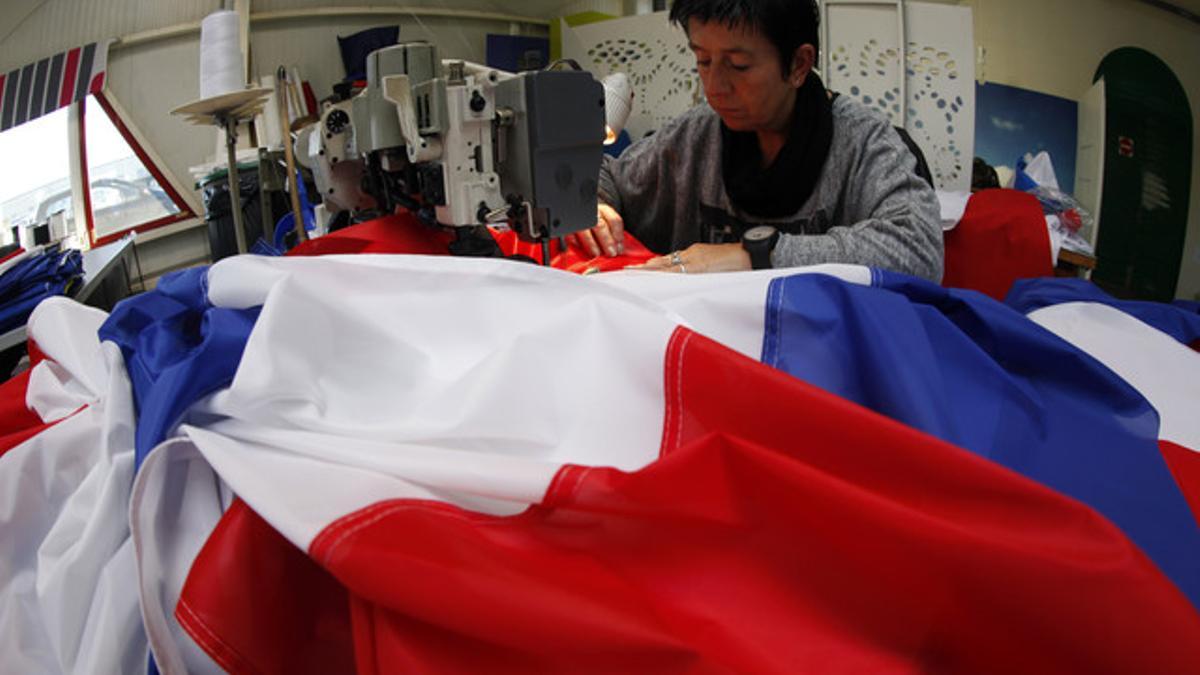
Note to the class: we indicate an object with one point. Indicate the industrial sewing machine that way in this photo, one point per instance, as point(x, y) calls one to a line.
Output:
point(465, 146)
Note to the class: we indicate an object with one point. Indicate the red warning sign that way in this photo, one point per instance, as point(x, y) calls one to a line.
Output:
point(1125, 146)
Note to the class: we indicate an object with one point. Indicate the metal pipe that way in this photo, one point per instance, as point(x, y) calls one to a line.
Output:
point(1174, 9)
point(178, 30)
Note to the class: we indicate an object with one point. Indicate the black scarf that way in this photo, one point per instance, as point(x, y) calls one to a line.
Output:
point(782, 188)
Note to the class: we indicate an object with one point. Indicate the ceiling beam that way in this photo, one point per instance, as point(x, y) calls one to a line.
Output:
point(1174, 9)
point(285, 15)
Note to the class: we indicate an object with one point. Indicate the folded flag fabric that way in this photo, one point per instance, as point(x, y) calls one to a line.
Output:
point(446, 465)
point(405, 233)
point(33, 278)
point(1180, 320)
point(67, 602)
point(628, 503)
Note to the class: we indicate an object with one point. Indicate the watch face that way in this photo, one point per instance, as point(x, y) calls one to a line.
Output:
point(760, 233)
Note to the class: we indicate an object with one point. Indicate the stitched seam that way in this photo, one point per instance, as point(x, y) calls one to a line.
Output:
point(213, 645)
point(580, 477)
point(679, 390)
point(555, 482)
point(353, 529)
point(777, 324)
point(669, 393)
point(771, 323)
point(672, 400)
point(345, 521)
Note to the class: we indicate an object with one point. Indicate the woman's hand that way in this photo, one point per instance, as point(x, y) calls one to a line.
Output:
point(699, 258)
point(608, 235)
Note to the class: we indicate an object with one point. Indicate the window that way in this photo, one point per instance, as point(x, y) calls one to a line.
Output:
point(35, 173)
point(125, 191)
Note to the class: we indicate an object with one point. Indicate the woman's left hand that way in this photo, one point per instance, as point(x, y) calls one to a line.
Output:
point(699, 258)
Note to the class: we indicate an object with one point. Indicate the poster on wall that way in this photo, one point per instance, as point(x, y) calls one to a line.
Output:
point(1010, 122)
point(931, 95)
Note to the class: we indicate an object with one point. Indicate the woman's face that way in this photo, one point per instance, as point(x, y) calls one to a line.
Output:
point(742, 75)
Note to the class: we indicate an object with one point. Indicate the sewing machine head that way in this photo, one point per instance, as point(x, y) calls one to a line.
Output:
point(462, 145)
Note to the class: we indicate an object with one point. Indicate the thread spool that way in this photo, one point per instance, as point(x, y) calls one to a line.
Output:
point(221, 69)
point(618, 103)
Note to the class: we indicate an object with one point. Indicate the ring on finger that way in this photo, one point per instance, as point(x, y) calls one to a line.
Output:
point(675, 259)
point(682, 268)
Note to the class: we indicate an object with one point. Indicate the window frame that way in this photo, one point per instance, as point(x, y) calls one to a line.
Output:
point(186, 212)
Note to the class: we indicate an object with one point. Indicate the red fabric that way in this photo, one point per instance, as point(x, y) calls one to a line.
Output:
point(793, 532)
point(1002, 237)
point(257, 604)
point(1185, 468)
point(36, 355)
point(403, 233)
point(310, 99)
point(1072, 220)
point(575, 258)
point(67, 94)
point(400, 233)
point(242, 542)
point(18, 422)
point(19, 251)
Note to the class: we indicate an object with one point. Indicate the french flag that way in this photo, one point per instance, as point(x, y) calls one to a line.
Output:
point(413, 463)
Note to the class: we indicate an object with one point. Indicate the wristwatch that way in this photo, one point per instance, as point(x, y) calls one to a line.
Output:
point(759, 242)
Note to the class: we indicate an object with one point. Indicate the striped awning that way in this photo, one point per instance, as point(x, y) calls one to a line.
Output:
point(45, 86)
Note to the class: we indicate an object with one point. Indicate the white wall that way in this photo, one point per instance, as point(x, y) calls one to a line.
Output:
point(33, 29)
point(153, 78)
point(1055, 46)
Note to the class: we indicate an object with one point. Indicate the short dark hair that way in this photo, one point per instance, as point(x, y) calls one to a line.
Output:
point(786, 23)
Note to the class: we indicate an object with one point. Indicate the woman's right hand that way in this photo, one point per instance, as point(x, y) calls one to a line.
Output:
point(607, 237)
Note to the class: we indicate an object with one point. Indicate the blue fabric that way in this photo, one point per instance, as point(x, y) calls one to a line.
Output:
point(177, 348)
point(1187, 305)
point(1021, 180)
point(16, 310)
point(261, 247)
point(1180, 320)
point(355, 48)
point(623, 141)
point(34, 279)
point(978, 374)
point(47, 266)
point(288, 222)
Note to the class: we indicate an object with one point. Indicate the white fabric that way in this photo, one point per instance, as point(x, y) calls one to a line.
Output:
point(1041, 170)
point(369, 377)
point(176, 502)
point(1057, 235)
point(954, 206)
point(725, 307)
point(68, 602)
point(1072, 241)
point(1164, 371)
point(344, 408)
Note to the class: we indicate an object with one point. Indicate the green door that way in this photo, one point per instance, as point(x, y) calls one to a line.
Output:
point(1147, 177)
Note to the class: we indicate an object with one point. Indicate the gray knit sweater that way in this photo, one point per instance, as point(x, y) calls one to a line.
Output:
point(869, 207)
